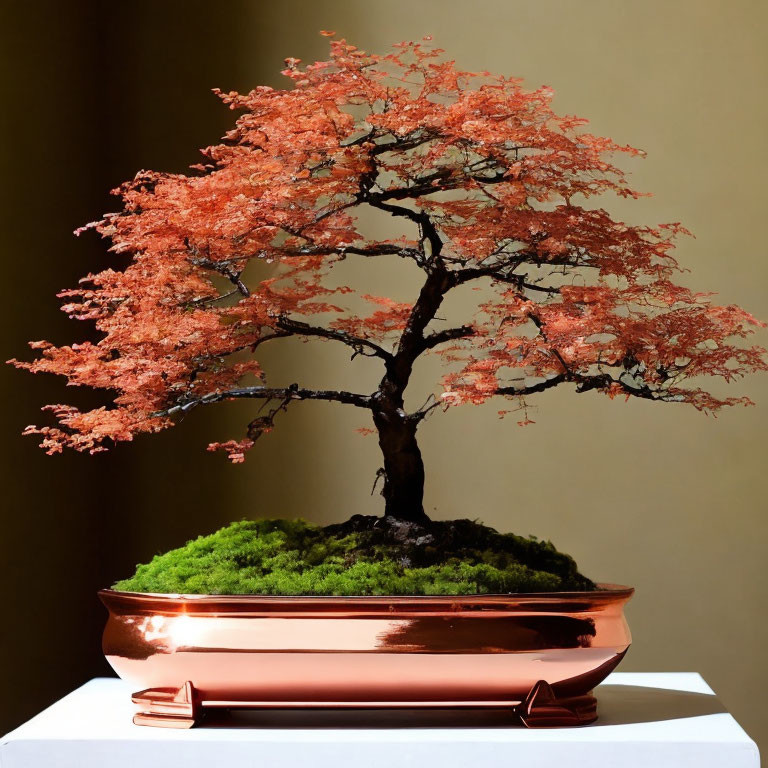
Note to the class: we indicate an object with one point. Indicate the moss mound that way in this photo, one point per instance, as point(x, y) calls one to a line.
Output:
point(364, 556)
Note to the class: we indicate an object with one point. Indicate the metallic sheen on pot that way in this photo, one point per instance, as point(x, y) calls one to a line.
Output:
point(538, 654)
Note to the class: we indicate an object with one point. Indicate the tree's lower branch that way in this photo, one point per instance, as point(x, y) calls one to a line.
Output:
point(292, 392)
point(603, 380)
point(586, 383)
point(533, 388)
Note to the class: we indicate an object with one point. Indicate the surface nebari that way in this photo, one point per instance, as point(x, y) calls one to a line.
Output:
point(539, 654)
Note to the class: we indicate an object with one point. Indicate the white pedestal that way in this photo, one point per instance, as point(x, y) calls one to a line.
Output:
point(647, 720)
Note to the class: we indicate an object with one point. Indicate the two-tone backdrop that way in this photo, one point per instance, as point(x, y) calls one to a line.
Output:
point(652, 495)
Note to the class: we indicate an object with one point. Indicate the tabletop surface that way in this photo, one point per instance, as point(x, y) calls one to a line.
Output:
point(658, 719)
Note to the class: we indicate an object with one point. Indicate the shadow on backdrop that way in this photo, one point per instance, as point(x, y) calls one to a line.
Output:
point(92, 93)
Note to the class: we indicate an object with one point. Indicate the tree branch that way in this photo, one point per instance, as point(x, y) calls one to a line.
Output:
point(586, 383)
point(379, 249)
point(520, 282)
point(269, 337)
point(428, 230)
point(426, 185)
point(497, 271)
point(300, 328)
point(222, 267)
point(292, 392)
point(418, 416)
point(540, 326)
point(401, 144)
point(449, 334)
point(533, 388)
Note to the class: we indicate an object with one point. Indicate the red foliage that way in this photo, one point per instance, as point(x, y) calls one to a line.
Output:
point(494, 186)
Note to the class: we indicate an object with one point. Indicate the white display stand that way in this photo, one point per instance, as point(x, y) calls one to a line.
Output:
point(647, 720)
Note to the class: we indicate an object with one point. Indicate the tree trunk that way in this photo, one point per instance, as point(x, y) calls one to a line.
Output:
point(403, 467)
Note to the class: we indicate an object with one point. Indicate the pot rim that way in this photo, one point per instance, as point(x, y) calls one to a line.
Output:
point(606, 591)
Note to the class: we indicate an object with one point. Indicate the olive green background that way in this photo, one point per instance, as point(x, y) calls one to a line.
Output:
point(653, 495)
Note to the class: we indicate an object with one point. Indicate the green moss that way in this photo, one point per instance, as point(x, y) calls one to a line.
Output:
point(366, 556)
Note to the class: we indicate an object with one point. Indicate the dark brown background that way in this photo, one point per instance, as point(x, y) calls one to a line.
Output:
point(655, 496)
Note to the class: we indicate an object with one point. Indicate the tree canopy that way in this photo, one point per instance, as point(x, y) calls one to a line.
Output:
point(492, 186)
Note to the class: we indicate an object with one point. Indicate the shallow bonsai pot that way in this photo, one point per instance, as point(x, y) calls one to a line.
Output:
point(539, 655)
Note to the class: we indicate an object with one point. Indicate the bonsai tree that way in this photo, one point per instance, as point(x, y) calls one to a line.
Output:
point(489, 188)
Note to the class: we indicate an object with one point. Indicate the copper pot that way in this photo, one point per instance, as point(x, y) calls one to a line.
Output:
point(539, 655)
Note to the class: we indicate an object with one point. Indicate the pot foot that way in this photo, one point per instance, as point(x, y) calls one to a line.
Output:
point(167, 707)
point(543, 709)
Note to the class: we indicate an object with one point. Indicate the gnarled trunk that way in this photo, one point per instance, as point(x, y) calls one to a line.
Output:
point(403, 467)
